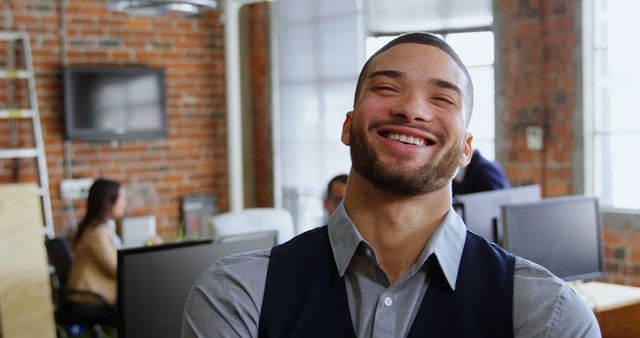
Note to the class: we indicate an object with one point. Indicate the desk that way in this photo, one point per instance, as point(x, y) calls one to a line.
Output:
point(617, 307)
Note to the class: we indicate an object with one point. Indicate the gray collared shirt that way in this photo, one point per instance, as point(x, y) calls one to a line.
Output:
point(226, 299)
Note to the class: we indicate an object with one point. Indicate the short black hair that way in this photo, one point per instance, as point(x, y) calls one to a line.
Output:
point(340, 178)
point(425, 39)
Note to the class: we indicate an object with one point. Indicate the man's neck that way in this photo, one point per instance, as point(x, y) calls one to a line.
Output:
point(397, 227)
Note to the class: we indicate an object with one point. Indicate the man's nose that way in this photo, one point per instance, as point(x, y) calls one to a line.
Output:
point(413, 107)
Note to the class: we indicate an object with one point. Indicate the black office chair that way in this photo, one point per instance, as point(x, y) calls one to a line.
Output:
point(69, 314)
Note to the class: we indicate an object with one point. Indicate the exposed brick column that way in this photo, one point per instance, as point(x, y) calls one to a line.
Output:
point(261, 89)
point(538, 67)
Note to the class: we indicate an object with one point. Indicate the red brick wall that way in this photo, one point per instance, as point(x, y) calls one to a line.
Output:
point(157, 173)
point(622, 247)
point(538, 62)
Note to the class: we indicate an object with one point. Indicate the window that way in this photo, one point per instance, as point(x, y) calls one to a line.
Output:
point(612, 120)
point(318, 60)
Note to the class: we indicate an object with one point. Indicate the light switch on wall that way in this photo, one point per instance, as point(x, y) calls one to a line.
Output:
point(534, 137)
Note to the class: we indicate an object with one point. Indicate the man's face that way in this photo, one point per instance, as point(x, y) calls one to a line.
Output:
point(407, 133)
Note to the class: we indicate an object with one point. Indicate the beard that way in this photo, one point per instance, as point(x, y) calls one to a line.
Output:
point(396, 178)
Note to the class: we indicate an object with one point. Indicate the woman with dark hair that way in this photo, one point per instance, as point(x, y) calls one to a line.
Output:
point(95, 245)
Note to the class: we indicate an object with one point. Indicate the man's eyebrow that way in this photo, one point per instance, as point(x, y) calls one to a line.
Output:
point(388, 73)
point(446, 84)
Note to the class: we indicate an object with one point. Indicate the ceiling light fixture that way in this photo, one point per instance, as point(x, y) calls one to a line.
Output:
point(162, 7)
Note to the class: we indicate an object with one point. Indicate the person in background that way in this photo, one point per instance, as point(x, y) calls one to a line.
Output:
point(95, 245)
point(395, 260)
point(479, 175)
point(335, 193)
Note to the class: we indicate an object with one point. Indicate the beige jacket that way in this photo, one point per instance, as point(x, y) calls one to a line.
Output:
point(95, 265)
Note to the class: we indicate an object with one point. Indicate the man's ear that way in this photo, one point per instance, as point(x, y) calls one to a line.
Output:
point(346, 128)
point(467, 150)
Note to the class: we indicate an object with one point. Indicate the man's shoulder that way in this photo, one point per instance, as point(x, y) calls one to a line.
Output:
point(243, 261)
point(227, 296)
point(546, 305)
point(536, 279)
point(237, 277)
point(240, 270)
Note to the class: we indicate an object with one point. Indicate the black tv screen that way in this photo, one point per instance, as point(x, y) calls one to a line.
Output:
point(114, 103)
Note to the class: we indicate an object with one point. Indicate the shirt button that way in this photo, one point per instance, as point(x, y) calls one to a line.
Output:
point(388, 301)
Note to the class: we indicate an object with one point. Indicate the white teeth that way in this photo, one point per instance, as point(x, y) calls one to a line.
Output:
point(406, 139)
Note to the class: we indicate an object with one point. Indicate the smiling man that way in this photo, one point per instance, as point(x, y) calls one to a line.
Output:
point(394, 260)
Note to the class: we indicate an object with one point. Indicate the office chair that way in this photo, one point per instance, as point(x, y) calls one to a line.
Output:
point(71, 316)
point(251, 221)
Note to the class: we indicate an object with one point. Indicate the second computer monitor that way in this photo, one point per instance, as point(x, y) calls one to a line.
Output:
point(153, 282)
point(563, 234)
point(481, 211)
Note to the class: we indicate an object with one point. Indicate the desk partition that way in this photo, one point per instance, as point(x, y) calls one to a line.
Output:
point(153, 282)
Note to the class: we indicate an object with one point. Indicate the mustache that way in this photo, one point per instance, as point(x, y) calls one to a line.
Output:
point(439, 135)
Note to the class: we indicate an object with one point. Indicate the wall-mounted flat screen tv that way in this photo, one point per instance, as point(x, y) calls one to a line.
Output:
point(114, 103)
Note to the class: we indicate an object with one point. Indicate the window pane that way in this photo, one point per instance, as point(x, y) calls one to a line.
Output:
point(372, 44)
point(336, 49)
point(486, 148)
point(300, 108)
point(622, 63)
point(474, 49)
point(618, 175)
point(426, 15)
point(482, 124)
point(298, 63)
point(336, 101)
point(616, 122)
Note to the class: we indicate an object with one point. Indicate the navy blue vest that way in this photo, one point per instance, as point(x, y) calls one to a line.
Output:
point(306, 297)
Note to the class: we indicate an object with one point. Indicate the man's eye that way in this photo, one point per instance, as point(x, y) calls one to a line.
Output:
point(384, 88)
point(445, 100)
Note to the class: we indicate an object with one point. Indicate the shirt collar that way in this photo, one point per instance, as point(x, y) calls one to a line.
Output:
point(344, 237)
point(446, 243)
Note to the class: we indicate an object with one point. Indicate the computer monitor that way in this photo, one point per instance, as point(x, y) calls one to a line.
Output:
point(153, 282)
point(562, 234)
point(136, 230)
point(273, 235)
point(481, 211)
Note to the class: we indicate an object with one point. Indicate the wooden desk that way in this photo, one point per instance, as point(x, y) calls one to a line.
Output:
point(617, 307)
